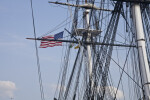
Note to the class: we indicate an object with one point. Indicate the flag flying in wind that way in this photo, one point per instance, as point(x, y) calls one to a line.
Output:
point(58, 36)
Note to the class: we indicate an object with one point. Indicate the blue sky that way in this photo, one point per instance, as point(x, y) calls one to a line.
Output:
point(18, 68)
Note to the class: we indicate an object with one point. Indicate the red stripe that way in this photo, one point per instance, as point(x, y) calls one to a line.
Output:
point(45, 44)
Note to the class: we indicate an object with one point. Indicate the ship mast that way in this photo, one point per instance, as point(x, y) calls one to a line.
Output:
point(144, 67)
point(89, 53)
point(88, 33)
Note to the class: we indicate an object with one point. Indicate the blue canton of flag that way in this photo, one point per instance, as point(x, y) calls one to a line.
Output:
point(58, 35)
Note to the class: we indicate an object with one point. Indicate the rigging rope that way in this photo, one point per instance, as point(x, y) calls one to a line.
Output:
point(37, 56)
point(123, 71)
point(120, 72)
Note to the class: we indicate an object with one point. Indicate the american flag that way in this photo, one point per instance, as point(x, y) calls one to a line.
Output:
point(45, 44)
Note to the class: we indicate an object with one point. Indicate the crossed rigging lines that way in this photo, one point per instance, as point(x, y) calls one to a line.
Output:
point(103, 56)
point(106, 69)
point(103, 53)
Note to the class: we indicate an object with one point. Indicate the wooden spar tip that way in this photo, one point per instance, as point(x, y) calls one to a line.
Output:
point(86, 6)
point(31, 38)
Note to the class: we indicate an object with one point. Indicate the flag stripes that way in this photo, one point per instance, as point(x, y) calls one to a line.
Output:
point(45, 44)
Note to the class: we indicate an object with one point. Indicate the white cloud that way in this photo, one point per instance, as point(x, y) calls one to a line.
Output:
point(7, 89)
point(111, 92)
point(113, 89)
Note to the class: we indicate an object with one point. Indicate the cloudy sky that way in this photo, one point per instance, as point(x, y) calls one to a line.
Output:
point(18, 69)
